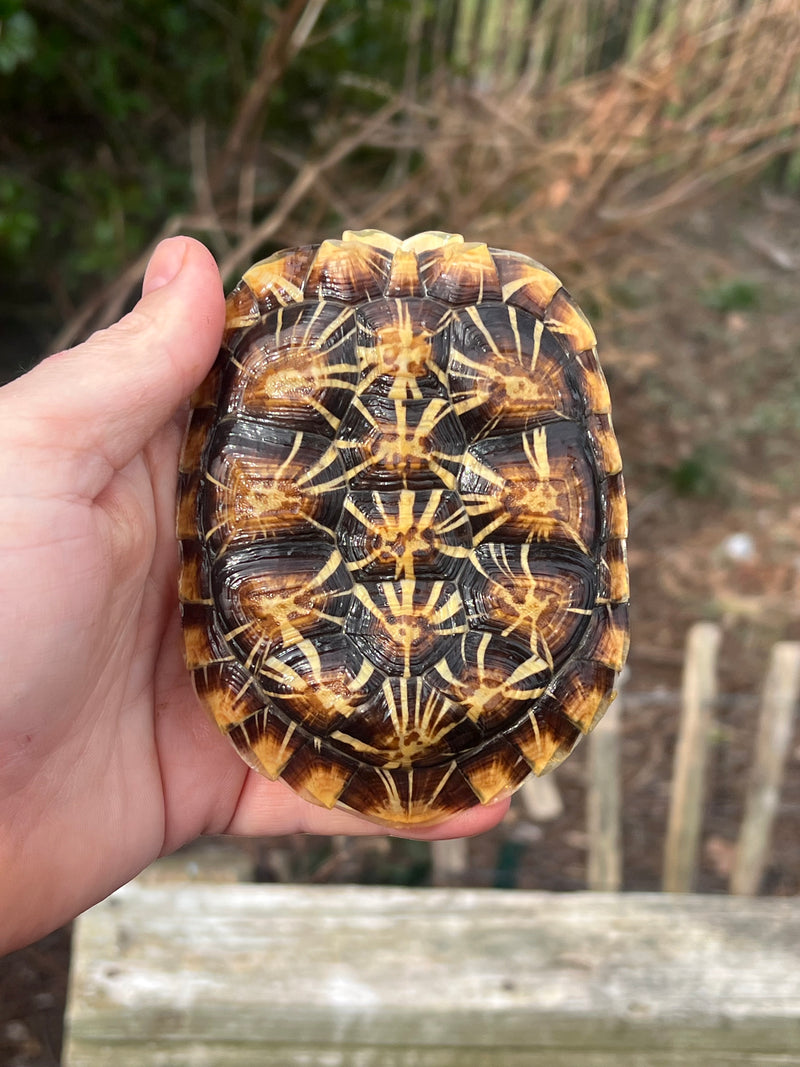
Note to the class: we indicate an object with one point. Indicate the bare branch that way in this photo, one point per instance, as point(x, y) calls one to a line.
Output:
point(301, 185)
point(290, 34)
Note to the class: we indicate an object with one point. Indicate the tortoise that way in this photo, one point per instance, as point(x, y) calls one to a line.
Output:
point(402, 523)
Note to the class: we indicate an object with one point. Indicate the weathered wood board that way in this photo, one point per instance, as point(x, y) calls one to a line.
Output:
point(290, 975)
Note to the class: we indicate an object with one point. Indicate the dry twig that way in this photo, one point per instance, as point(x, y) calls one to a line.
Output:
point(562, 168)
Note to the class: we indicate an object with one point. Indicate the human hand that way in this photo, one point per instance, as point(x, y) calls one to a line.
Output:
point(106, 759)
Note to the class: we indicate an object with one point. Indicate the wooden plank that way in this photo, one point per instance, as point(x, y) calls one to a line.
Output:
point(604, 802)
point(689, 768)
point(776, 721)
point(357, 975)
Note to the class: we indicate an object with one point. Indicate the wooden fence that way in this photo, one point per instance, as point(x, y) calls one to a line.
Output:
point(175, 970)
point(699, 700)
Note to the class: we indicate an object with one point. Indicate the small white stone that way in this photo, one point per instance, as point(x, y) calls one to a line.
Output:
point(739, 547)
point(16, 1032)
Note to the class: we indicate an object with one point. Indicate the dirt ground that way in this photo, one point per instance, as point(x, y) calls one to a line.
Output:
point(699, 334)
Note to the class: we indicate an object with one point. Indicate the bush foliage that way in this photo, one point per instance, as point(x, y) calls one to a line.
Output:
point(254, 126)
point(98, 102)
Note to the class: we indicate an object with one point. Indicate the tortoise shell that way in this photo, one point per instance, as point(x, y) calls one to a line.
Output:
point(402, 524)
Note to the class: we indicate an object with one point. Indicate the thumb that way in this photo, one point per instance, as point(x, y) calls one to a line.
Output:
point(112, 393)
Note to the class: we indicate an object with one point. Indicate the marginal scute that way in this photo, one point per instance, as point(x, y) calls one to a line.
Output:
point(591, 383)
point(318, 776)
point(583, 692)
point(614, 571)
point(429, 240)
point(460, 273)
point(231, 694)
point(402, 525)
point(608, 636)
point(412, 798)
point(241, 309)
point(604, 442)
point(525, 283)
point(194, 586)
point(495, 770)
point(266, 740)
point(379, 239)
point(544, 736)
point(568, 322)
point(347, 271)
point(200, 635)
point(616, 507)
point(188, 505)
point(198, 428)
point(204, 401)
point(278, 281)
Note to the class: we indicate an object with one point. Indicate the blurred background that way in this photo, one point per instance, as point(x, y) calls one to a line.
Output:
point(647, 151)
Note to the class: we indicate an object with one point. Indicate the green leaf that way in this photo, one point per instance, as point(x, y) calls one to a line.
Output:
point(17, 40)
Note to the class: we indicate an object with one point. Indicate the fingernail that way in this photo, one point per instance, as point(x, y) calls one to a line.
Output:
point(165, 263)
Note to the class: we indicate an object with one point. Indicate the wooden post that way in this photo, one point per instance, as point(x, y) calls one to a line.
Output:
point(689, 768)
point(449, 861)
point(776, 719)
point(603, 803)
point(541, 798)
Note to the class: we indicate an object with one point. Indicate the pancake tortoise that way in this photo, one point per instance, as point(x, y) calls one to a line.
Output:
point(402, 525)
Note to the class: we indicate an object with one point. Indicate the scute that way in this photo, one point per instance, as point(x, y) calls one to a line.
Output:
point(402, 523)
